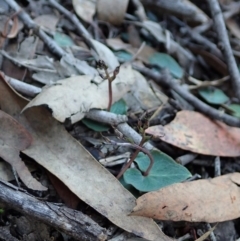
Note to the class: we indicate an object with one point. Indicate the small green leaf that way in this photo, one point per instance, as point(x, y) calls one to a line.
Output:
point(94, 125)
point(1, 211)
point(125, 37)
point(236, 109)
point(165, 171)
point(119, 107)
point(123, 55)
point(129, 187)
point(213, 95)
point(166, 61)
point(63, 40)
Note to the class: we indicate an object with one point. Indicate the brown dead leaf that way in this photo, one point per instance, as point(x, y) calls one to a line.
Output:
point(15, 138)
point(14, 30)
point(212, 60)
point(195, 132)
point(211, 200)
point(68, 197)
point(112, 11)
point(68, 160)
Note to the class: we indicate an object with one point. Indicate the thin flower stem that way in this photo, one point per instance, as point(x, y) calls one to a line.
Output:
point(110, 79)
point(128, 164)
point(138, 148)
point(109, 95)
point(101, 65)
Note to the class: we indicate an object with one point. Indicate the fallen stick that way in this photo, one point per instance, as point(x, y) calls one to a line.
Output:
point(72, 222)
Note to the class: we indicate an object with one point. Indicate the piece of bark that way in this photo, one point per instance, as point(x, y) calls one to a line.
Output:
point(69, 221)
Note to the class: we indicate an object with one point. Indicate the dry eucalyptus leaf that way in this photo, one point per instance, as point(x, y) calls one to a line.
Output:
point(105, 54)
point(117, 44)
point(76, 66)
point(47, 21)
point(85, 9)
point(195, 132)
point(141, 96)
point(210, 200)
point(13, 139)
point(73, 97)
point(112, 11)
point(56, 150)
point(6, 172)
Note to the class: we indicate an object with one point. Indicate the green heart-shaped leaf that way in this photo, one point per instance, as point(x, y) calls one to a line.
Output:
point(94, 125)
point(123, 55)
point(163, 60)
point(63, 40)
point(119, 107)
point(236, 109)
point(165, 171)
point(213, 95)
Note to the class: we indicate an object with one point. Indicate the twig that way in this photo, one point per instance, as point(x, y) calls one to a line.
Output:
point(185, 237)
point(211, 235)
point(22, 87)
point(69, 221)
point(194, 177)
point(187, 158)
point(205, 83)
point(217, 166)
point(191, 12)
point(120, 122)
point(72, 17)
point(199, 38)
point(106, 117)
point(225, 45)
point(166, 79)
point(130, 133)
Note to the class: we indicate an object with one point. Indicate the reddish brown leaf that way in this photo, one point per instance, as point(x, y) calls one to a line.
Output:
point(68, 197)
point(197, 133)
point(211, 200)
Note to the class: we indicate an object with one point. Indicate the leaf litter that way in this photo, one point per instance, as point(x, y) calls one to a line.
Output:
point(58, 152)
point(176, 42)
